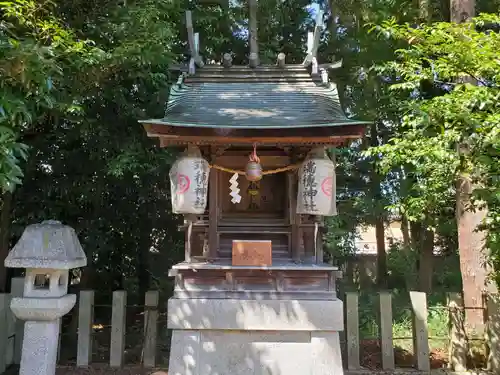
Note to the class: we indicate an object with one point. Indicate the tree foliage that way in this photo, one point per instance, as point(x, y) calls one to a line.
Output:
point(442, 111)
point(77, 75)
point(38, 53)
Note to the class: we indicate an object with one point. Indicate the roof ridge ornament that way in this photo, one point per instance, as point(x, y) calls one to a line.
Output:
point(194, 45)
point(180, 80)
point(324, 76)
point(252, 34)
point(281, 60)
point(313, 43)
point(324, 68)
point(227, 60)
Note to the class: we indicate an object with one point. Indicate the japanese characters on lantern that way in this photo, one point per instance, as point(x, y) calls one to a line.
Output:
point(189, 183)
point(316, 191)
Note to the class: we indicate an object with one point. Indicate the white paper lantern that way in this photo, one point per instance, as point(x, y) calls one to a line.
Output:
point(189, 183)
point(316, 192)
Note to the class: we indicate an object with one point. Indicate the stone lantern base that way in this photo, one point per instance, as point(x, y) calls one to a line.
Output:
point(255, 337)
point(41, 331)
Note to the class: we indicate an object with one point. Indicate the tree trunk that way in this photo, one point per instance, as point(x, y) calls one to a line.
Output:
point(472, 256)
point(379, 215)
point(470, 241)
point(462, 10)
point(426, 261)
point(143, 273)
point(405, 231)
point(416, 238)
point(425, 11)
point(423, 242)
point(381, 253)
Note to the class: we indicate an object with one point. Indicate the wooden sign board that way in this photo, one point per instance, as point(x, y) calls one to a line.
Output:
point(252, 253)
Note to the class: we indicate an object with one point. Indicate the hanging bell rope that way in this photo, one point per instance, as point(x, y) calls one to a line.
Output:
point(253, 169)
point(243, 173)
point(254, 158)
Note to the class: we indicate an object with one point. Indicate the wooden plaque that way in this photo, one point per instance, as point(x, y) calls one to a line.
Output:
point(252, 253)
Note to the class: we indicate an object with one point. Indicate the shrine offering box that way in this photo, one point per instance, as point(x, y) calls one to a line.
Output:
point(252, 253)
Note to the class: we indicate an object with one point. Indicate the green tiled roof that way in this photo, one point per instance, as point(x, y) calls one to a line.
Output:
point(263, 98)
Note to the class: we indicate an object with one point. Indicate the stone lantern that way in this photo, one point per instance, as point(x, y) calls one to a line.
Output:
point(48, 251)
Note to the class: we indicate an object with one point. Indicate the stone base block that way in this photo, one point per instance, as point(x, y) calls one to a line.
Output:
point(243, 337)
point(255, 353)
point(256, 315)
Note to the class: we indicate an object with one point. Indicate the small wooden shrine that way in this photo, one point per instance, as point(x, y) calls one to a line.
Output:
point(253, 184)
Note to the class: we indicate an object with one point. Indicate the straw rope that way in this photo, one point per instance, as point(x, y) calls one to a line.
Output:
point(271, 171)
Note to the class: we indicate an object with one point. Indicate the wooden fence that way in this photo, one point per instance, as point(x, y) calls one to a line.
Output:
point(11, 331)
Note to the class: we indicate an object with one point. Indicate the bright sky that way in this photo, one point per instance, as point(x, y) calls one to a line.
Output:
point(313, 8)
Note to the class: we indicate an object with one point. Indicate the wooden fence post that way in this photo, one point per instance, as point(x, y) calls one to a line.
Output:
point(59, 341)
point(420, 330)
point(352, 330)
point(17, 290)
point(385, 329)
point(493, 324)
point(458, 339)
point(85, 320)
point(11, 333)
point(4, 330)
point(150, 327)
point(118, 320)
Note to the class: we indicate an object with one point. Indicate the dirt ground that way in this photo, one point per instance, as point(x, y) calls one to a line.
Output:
point(370, 360)
point(106, 370)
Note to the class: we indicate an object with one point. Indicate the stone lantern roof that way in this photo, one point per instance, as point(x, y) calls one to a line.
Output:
point(49, 244)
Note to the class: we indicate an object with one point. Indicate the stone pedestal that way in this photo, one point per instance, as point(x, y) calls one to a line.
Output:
point(41, 331)
point(254, 337)
point(39, 355)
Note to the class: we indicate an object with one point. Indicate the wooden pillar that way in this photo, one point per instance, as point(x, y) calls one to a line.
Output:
point(213, 214)
point(420, 331)
point(188, 237)
point(118, 324)
point(293, 218)
point(458, 338)
point(150, 328)
point(493, 311)
point(319, 239)
point(352, 330)
point(385, 328)
point(4, 339)
point(85, 319)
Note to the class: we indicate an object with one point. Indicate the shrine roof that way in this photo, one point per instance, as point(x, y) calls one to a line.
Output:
point(266, 97)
